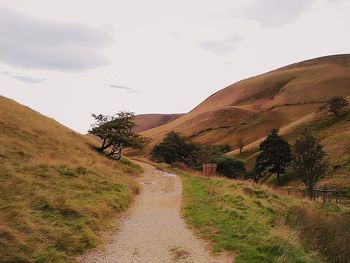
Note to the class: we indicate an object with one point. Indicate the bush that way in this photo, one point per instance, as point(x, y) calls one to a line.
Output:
point(224, 148)
point(230, 167)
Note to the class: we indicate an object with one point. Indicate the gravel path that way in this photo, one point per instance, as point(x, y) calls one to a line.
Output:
point(154, 231)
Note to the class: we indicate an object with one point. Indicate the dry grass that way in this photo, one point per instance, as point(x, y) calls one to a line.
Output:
point(148, 121)
point(328, 233)
point(57, 193)
point(179, 253)
point(254, 106)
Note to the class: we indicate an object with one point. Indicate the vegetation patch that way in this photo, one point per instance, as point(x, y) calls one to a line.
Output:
point(57, 193)
point(246, 222)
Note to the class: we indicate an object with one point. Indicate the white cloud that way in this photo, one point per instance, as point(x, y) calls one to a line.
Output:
point(158, 52)
point(224, 46)
point(28, 79)
point(274, 13)
point(123, 88)
point(32, 43)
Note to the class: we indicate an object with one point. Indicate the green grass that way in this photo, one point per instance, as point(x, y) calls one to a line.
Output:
point(258, 224)
point(244, 219)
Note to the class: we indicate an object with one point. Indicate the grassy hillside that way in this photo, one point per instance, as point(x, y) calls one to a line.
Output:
point(149, 121)
point(258, 224)
point(334, 135)
point(249, 109)
point(56, 191)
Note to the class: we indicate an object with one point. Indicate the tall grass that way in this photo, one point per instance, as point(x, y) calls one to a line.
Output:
point(328, 233)
point(57, 193)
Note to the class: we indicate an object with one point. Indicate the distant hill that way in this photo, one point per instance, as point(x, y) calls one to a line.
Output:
point(287, 98)
point(56, 191)
point(250, 108)
point(148, 121)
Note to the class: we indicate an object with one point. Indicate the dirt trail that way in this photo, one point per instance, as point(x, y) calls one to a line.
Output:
point(154, 231)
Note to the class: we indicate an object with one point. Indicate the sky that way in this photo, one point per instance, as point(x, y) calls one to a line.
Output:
point(70, 58)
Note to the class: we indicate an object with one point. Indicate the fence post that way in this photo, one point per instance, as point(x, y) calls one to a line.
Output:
point(209, 169)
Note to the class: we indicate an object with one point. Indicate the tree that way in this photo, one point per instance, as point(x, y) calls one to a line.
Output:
point(335, 105)
point(115, 131)
point(223, 148)
point(274, 157)
point(308, 161)
point(240, 145)
point(229, 166)
point(174, 147)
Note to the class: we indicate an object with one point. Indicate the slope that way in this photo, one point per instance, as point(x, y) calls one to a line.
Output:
point(148, 121)
point(250, 108)
point(334, 135)
point(56, 191)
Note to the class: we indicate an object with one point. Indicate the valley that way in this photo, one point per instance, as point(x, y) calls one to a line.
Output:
point(62, 200)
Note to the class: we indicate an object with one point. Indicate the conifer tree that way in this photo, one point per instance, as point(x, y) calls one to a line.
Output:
point(274, 157)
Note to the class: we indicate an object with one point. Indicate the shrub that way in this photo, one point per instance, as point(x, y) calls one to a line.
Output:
point(336, 104)
point(224, 148)
point(230, 167)
point(66, 171)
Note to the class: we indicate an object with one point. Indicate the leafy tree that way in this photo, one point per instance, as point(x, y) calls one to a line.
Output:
point(335, 105)
point(174, 147)
point(230, 166)
point(240, 145)
point(274, 157)
point(204, 154)
point(223, 148)
point(115, 131)
point(308, 161)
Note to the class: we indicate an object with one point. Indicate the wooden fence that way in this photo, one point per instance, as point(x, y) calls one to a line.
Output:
point(319, 194)
point(326, 195)
point(209, 169)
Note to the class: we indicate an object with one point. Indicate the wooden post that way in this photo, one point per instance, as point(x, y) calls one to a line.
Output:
point(209, 169)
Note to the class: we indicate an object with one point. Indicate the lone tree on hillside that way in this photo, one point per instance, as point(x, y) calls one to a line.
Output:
point(336, 104)
point(274, 157)
point(240, 144)
point(115, 131)
point(308, 161)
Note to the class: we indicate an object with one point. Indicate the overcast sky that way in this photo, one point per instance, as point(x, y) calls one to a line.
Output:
point(70, 58)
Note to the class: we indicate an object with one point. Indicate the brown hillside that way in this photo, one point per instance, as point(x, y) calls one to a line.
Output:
point(149, 121)
point(57, 192)
point(252, 107)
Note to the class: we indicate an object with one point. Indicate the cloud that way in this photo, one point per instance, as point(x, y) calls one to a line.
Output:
point(274, 13)
point(28, 79)
point(22, 78)
point(28, 42)
point(5, 73)
point(123, 88)
point(224, 46)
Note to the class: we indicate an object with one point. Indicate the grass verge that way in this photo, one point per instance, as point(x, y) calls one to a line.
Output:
point(243, 218)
